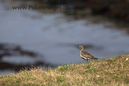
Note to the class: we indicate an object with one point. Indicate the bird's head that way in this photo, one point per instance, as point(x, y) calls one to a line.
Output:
point(81, 47)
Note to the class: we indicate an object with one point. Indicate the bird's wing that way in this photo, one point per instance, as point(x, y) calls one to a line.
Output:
point(87, 54)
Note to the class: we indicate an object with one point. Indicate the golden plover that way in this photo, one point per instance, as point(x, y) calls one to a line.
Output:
point(85, 55)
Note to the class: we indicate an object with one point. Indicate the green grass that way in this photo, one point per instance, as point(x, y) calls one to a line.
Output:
point(103, 72)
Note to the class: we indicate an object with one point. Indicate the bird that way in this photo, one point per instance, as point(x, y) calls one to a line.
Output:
point(84, 54)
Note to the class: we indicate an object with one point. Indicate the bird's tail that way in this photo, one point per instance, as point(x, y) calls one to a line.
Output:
point(94, 57)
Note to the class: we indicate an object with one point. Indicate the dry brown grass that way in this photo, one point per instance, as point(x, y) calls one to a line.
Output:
point(104, 72)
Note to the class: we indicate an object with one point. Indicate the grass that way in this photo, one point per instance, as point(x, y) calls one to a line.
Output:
point(103, 72)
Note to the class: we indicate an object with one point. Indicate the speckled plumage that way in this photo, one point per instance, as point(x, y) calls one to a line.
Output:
point(85, 55)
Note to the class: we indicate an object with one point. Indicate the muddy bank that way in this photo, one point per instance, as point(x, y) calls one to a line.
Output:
point(117, 9)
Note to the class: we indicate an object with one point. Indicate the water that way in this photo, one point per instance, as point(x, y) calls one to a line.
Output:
point(56, 36)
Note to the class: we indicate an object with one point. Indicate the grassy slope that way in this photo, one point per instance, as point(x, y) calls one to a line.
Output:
point(104, 72)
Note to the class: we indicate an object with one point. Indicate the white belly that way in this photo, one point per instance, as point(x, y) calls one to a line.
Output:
point(87, 56)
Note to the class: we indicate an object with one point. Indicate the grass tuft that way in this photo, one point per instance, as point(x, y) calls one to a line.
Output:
point(64, 68)
point(104, 72)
